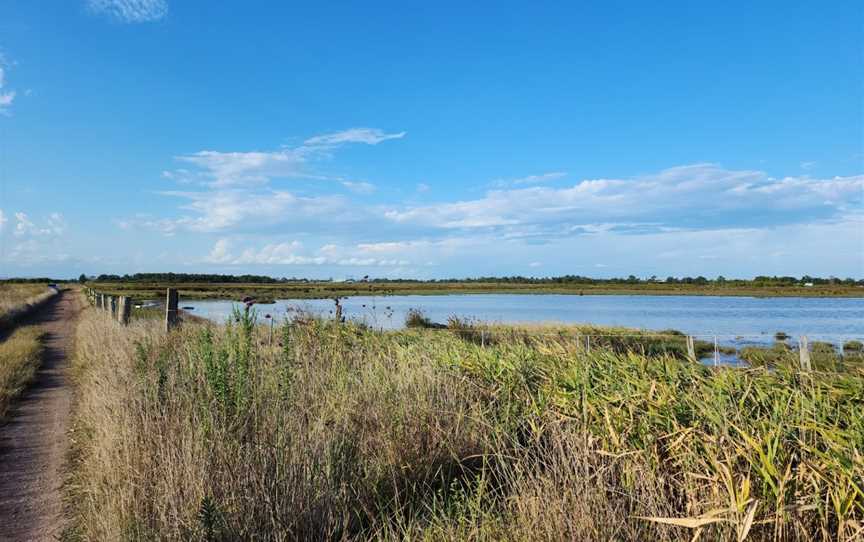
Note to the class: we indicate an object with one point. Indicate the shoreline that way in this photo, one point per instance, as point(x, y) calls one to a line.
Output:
point(328, 291)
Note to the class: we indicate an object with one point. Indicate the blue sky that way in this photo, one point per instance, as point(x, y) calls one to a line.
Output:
point(400, 139)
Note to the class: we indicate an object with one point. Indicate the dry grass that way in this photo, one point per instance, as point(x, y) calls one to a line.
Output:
point(14, 295)
point(341, 433)
point(20, 356)
point(16, 299)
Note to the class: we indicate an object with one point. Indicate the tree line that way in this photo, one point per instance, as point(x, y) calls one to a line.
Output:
point(759, 281)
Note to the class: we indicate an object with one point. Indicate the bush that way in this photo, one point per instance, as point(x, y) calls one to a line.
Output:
point(416, 318)
point(853, 346)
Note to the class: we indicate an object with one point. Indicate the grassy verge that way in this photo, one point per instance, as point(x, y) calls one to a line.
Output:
point(15, 295)
point(337, 432)
point(20, 356)
point(17, 300)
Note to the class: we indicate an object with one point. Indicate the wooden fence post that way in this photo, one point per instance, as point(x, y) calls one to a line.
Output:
point(124, 310)
point(171, 300)
point(112, 305)
point(338, 311)
point(804, 354)
point(716, 352)
point(691, 349)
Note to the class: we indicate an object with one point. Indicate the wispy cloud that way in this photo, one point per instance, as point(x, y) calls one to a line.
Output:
point(36, 241)
point(293, 253)
point(370, 136)
point(54, 225)
point(530, 179)
point(130, 11)
point(255, 168)
point(6, 96)
point(359, 187)
point(213, 211)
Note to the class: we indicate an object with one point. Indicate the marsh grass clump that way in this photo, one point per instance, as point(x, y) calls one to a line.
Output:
point(339, 432)
point(416, 318)
point(853, 346)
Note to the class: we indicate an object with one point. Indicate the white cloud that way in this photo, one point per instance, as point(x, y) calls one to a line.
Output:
point(370, 136)
point(701, 195)
point(219, 169)
point(225, 169)
point(220, 252)
point(6, 96)
point(808, 165)
point(291, 253)
point(423, 187)
point(36, 241)
point(226, 209)
point(530, 179)
point(359, 187)
point(130, 11)
point(535, 264)
point(53, 226)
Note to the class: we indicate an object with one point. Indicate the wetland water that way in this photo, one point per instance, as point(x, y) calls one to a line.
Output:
point(735, 321)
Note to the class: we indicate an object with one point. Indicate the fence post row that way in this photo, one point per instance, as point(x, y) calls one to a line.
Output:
point(120, 307)
point(171, 299)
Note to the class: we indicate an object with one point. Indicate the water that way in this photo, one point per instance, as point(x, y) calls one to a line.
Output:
point(736, 321)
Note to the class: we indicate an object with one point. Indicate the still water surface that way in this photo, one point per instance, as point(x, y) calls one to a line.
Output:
point(735, 320)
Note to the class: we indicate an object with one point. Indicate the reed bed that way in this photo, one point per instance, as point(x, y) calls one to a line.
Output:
point(337, 432)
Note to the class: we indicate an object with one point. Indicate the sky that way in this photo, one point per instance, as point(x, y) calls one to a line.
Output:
point(432, 140)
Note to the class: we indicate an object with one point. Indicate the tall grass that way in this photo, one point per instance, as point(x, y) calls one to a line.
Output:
point(339, 432)
point(20, 356)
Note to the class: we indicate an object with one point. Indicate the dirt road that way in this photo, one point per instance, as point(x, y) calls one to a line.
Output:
point(33, 442)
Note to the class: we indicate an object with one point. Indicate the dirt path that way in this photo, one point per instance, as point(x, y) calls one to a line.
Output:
point(33, 443)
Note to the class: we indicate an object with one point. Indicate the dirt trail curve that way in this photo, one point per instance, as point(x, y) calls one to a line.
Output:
point(33, 442)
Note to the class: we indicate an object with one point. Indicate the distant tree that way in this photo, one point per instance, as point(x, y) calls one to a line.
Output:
point(83, 278)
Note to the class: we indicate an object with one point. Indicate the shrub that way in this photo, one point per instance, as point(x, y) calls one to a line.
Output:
point(416, 318)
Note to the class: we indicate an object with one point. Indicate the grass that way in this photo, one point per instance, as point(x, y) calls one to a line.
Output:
point(15, 298)
point(324, 290)
point(338, 432)
point(20, 356)
point(823, 356)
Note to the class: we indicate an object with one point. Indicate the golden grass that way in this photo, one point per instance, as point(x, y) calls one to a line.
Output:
point(20, 356)
point(342, 433)
point(13, 296)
